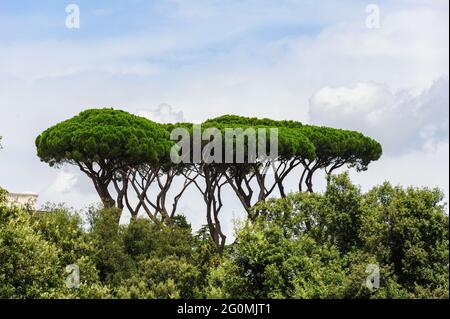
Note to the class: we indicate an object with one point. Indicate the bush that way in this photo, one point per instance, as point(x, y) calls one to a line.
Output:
point(29, 265)
point(162, 278)
point(319, 246)
point(303, 246)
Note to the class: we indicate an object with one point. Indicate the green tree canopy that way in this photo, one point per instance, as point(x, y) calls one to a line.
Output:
point(336, 148)
point(102, 142)
point(316, 147)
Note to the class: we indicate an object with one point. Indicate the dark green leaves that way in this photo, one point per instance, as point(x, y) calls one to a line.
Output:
point(104, 135)
point(326, 145)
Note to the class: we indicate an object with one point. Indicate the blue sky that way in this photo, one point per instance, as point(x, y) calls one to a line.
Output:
point(310, 61)
point(115, 18)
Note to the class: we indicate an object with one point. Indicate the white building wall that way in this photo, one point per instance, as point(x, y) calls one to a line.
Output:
point(28, 200)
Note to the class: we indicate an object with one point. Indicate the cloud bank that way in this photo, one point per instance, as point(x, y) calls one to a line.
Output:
point(401, 121)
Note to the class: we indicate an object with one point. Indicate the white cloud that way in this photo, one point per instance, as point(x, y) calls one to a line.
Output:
point(401, 120)
point(63, 183)
point(69, 187)
point(164, 113)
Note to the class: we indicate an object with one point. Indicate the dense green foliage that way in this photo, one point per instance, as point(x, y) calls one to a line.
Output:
point(98, 135)
point(318, 246)
point(327, 144)
point(307, 245)
point(104, 143)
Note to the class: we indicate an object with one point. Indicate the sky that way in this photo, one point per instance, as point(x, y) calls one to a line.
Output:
point(377, 67)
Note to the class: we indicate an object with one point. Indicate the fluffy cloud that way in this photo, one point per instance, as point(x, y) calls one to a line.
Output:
point(70, 187)
point(63, 183)
point(400, 120)
point(164, 113)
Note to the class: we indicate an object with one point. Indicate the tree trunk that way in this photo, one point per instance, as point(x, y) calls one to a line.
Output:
point(105, 196)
